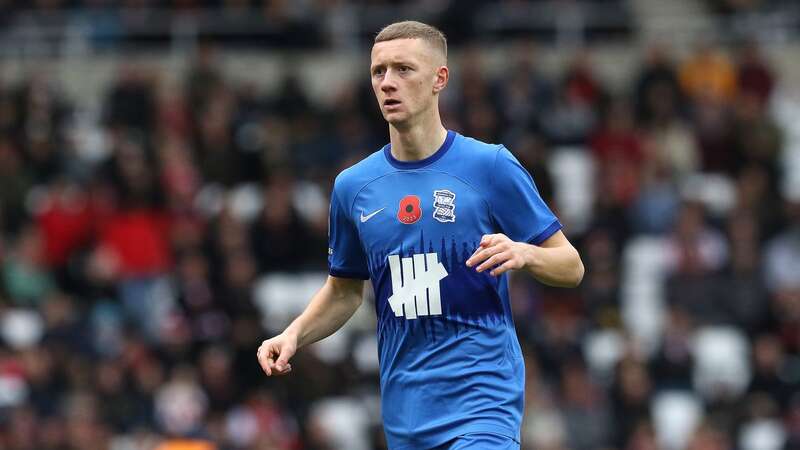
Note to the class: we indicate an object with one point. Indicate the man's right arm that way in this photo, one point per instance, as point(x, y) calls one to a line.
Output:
point(328, 310)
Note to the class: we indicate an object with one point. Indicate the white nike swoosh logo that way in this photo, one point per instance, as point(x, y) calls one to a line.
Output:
point(369, 216)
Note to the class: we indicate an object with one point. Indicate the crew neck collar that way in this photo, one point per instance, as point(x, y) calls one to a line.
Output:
point(448, 142)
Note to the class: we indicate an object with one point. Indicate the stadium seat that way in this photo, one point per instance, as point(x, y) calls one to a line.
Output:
point(573, 179)
point(675, 414)
point(722, 362)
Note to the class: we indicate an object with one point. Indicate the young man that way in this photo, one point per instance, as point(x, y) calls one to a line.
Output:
point(435, 220)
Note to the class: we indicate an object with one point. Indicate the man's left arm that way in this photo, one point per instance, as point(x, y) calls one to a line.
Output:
point(554, 261)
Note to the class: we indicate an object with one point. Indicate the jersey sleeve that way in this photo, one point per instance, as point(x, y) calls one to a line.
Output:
point(346, 258)
point(516, 206)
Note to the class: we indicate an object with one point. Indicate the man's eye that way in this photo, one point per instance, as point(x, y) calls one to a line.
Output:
point(404, 68)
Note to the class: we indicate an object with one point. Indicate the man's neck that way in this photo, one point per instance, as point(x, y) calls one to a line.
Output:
point(417, 142)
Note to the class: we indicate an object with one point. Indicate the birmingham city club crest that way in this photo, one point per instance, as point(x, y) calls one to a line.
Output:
point(444, 206)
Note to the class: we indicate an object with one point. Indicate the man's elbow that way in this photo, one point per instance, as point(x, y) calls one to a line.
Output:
point(576, 274)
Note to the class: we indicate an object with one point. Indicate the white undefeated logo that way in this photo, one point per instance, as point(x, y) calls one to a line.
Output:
point(418, 289)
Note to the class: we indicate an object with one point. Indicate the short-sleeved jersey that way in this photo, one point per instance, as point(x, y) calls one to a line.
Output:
point(450, 361)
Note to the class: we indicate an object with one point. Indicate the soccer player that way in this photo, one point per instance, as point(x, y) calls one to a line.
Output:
point(436, 220)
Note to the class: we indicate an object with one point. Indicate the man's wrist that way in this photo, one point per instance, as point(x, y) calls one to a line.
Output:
point(531, 256)
point(293, 334)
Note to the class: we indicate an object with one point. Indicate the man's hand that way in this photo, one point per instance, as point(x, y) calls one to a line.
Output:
point(274, 354)
point(498, 250)
point(328, 310)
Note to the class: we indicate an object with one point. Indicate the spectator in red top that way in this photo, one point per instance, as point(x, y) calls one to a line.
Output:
point(754, 74)
point(65, 220)
point(618, 151)
point(133, 244)
point(617, 139)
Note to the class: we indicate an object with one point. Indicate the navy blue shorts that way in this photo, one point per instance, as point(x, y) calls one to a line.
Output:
point(480, 441)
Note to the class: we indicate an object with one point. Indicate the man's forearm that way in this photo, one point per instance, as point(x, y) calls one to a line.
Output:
point(554, 266)
point(327, 311)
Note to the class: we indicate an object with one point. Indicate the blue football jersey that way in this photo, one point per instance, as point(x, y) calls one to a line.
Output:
point(450, 361)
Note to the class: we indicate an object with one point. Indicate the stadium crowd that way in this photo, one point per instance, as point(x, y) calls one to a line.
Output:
point(129, 257)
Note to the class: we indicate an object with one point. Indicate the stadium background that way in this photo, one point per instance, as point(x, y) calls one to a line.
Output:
point(164, 173)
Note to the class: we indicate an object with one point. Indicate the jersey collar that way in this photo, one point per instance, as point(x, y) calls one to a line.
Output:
point(448, 142)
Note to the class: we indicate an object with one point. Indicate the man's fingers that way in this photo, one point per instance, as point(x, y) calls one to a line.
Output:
point(266, 361)
point(283, 359)
point(273, 368)
point(266, 365)
point(483, 253)
point(480, 254)
point(274, 358)
point(283, 371)
point(493, 261)
point(502, 268)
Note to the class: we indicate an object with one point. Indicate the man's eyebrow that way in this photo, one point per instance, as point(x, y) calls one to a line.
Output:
point(394, 62)
point(397, 61)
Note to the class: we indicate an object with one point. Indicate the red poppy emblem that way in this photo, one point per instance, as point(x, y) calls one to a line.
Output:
point(410, 210)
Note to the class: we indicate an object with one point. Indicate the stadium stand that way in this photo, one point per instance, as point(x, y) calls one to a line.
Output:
point(164, 174)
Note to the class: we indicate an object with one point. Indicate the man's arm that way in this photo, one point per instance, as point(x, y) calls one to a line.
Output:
point(554, 262)
point(328, 310)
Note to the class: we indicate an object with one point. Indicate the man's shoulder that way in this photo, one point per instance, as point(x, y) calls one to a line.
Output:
point(480, 152)
point(474, 157)
point(478, 145)
point(362, 172)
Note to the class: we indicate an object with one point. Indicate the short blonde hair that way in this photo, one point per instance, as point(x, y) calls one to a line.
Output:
point(411, 29)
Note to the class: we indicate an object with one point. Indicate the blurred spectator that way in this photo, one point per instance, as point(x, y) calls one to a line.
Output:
point(218, 158)
point(668, 141)
point(25, 276)
point(281, 239)
point(658, 204)
point(673, 361)
point(181, 404)
point(585, 411)
point(782, 255)
point(709, 79)
point(524, 92)
point(756, 138)
point(618, 150)
point(39, 122)
point(131, 102)
point(543, 426)
point(657, 84)
point(743, 297)
point(65, 217)
point(571, 117)
point(772, 375)
point(708, 75)
point(754, 74)
point(198, 300)
point(14, 184)
point(601, 286)
point(755, 196)
point(477, 111)
point(697, 252)
point(630, 396)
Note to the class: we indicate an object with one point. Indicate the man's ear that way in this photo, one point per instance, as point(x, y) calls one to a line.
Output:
point(442, 76)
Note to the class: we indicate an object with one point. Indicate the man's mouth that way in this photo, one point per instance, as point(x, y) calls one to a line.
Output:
point(391, 102)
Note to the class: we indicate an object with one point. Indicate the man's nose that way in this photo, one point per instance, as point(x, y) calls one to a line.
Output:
point(388, 83)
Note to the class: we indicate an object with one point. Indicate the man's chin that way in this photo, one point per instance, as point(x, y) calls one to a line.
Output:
point(395, 118)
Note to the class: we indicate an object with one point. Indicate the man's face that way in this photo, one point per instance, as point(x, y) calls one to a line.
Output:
point(406, 76)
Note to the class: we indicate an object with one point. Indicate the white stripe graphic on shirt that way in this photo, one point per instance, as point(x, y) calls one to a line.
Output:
point(417, 292)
